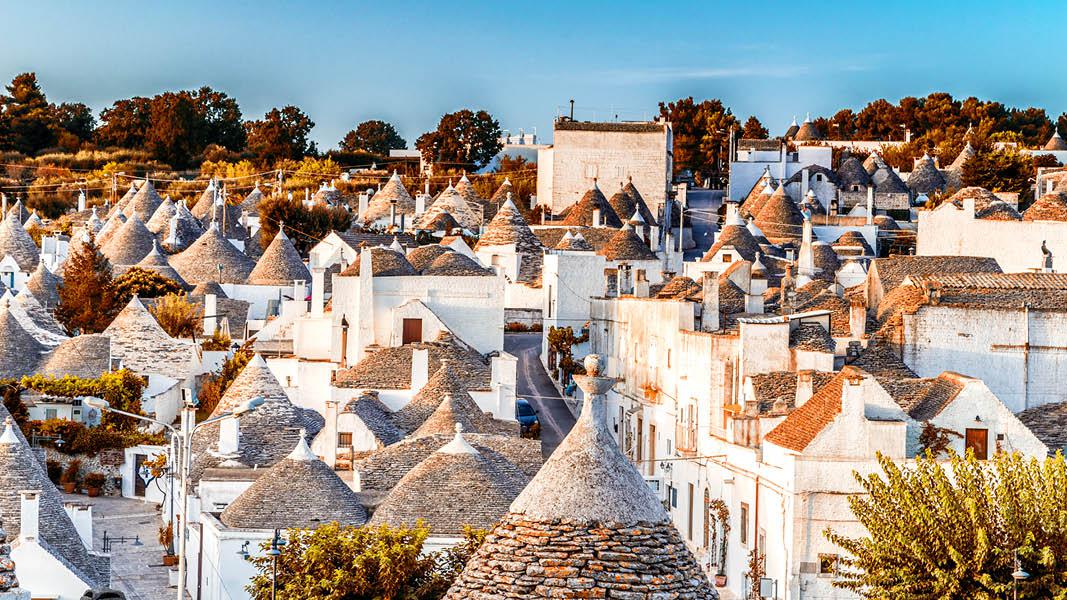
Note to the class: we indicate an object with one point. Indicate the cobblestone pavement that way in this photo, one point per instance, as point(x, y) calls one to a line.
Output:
point(137, 571)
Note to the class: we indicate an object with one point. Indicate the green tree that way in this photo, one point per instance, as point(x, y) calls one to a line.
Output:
point(125, 124)
point(463, 139)
point(143, 283)
point(335, 562)
point(281, 134)
point(74, 123)
point(221, 118)
point(999, 171)
point(176, 315)
point(176, 132)
point(28, 120)
point(87, 298)
point(937, 532)
point(304, 226)
point(376, 137)
point(754, 130)
point(701, 135)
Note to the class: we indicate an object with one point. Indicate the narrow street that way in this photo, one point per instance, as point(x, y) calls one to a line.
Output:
point(535, 386)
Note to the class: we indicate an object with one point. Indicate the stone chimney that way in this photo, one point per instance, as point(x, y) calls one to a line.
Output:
point(596, 217)
point(805, 387)
point(318, 291)
point(229, 436)
point(420, 368)
point(805, 178)
point(870, 205)
point(857, 318)
point(30, 514)
point(852, 395)
point(420, 204)
point(210, 312)
point(806, 260)
point(330, 451)
point(710, 311)
point(81, 201)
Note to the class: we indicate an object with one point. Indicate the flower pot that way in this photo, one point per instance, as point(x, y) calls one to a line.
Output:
point(720, 580)
point(93, 491)
point(70, 487)
point(169, 560)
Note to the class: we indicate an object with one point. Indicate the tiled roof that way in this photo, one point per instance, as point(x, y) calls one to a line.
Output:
point(882, 361)
point(280, 264)
point(384, 263)
point(596, 237)
point(130, 243)
point(376, 417)
point(381, 202)
point(390, 368)
point(853, 240)
point(200, 261)
point(17, 243)
point(422, 257)
point(809, 419)
point(811, 337)
point(1049, 423)
point(466, 189)
point(503, 192)
point(998, 211)
point(894, 269)
point(144, 347)
point(581, 214)
point(1050, 207)
point(442, 221)
point(626, 245)
point(757, 198)
point(825, 260)
point(838, 307)
point(681, 287)
point(614, 126)
point(453, 487)
point(781, 386)
point(923, 399)
point(299, 491)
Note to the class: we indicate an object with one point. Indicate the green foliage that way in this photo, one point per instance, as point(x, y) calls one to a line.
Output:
point(334, 562)
point(464, 140)
point(122, 389)
point(937, 532)
point(143, 284)
point(999, 171)
point(561, 341)
point(215, 385)
point(26, 119)
point(376, 137)
point(217, 342)
point(79, 440)
point(95, 480)
point(13, 402)
point(281, 134)
point(304, 226)
point(701, 136)
point(176, 315)
point(754, 130)
point(87, 299)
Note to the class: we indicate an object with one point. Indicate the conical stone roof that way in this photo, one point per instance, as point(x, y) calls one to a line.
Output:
point(626, 245)
point(144, 203)
point(1050, 207)
point(161, 218)
point(581, 214)
point(110, 228)
point(182, 230)
point(453, 487)
point(280, 264)
point(157, 261)
point(510, 227)
point(382, 201)
point(205, 203)
point(17, 243)
point(756, 200)
point(631, 190)
point(576, 242)
point(18, 210)
point(961, 159)
point(422, 257)
point(44, 284)
point(851, 173)
point(780, 219)
point(37, 321)
point(1056, 143)
point(738, 236)
point(452, 202)
point(807, 132)
point(503, 192)
point(299, 491)
point(131, 243)
point(587, 501)
point(21, 351)
point(33, 221)
point(21, 471)
point(446, 382)
point(252, 200)
point(200, 261)
point(925, 178)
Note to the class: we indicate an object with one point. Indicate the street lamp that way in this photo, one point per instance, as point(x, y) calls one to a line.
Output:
point(275, 551)
point(1018, 575)
point(185, 436)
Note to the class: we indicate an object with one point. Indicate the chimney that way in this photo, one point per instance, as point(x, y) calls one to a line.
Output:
point(710, 312)
point(857, 318)
point(806, 268)
point(300, 290)
point(81, 200)
point(870, 205)
point(331, 434)
point(210, 312)
point(804, 181)
point(229, 436)
point(805, 387)
point(30, 511)
point(596, 217)
point(364, 200)
point(420, 369)
point(392, 214)
point(420, 204)
point(318, 291)
point(641, 286)
point(852, 395)
point(594, 386)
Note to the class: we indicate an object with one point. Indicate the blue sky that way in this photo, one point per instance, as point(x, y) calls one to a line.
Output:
point(409, 62)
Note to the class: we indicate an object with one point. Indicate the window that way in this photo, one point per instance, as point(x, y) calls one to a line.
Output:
point(344, 439)
point(727, 257)
point(744, 524)
point(674, 496)
point(978, 441)
point(412, 331)
point(50, 413)
point(827, 564)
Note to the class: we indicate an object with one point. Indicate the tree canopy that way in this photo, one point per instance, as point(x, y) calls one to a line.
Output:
point(282, 133)
point(701, 135)
point(376, 137)
point(87, 298)
point(952, 532)
point(304, 226)
point(463, 139)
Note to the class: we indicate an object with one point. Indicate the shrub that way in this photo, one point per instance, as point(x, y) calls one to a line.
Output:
point(95, 480)
point(143, 284)
point(176, 315)
point(55, 471)
point(72, 472)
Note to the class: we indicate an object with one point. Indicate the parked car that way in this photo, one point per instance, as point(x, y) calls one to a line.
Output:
point(527, 417)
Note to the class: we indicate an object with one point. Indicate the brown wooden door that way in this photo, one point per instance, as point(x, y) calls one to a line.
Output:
point(651, 449)
point(412, 331)
point(978, 441)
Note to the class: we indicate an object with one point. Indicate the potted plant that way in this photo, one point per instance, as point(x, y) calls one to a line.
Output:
point(55, 471)
point(166, 539)
point(69, 479)
point(94, 483)
point(721, 512)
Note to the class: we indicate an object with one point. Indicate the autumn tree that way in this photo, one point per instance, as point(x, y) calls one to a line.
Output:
point(334, 562)
point(463, 140)
point(304, 226)
point(176, 315)
point(125, 123)
point(215, 385)
point(937, 532)
point(87, 298)
point(282, 133)
point(376, 137)
point(74, 123)
point(144, 283)
point(701, 136)
point(754, 130)
point(26, 118)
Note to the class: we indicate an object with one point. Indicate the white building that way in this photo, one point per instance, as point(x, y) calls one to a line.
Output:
point(612, 153)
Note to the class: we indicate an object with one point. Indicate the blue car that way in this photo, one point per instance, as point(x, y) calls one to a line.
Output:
point(526, 416)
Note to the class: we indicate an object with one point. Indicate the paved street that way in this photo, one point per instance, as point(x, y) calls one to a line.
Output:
point(703, 205)
point(137, 571)
point(535, 386)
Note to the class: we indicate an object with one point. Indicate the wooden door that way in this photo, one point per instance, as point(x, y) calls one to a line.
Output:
point(138, 481)
point(978, 441)
point(412, 331)
point(651, 449)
